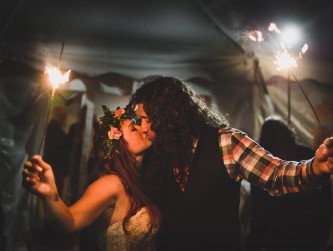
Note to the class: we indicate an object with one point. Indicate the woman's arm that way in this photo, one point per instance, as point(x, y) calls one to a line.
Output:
point(38, 178)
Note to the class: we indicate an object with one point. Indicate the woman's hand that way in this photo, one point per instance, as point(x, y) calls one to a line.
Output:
point(38, 177)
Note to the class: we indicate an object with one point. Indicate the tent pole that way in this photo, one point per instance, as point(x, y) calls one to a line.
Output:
point(311, 106)
point(289, 107)
point(258, 78)
point(219, 26)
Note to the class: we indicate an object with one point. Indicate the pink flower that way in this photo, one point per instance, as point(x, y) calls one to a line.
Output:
point(114, 133)
point(118, 112)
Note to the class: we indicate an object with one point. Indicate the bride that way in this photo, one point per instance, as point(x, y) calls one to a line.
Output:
point(126, 218)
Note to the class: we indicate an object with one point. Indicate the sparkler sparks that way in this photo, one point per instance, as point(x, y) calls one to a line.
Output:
point(56, 77)
point(255, 35)
point(273, 27)
point(285, 59)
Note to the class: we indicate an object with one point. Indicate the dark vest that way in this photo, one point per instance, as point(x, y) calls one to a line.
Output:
point(206, 215)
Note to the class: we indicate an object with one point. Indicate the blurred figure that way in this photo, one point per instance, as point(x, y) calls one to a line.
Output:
point(56, 153)
point(75, 144)
point(56, 149)
point(274, 218)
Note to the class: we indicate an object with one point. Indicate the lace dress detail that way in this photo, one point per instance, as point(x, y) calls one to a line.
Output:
point(138, 238)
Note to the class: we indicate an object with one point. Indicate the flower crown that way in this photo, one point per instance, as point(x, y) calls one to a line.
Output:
point(109, 126)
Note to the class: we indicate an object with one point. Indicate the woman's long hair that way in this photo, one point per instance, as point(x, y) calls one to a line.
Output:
point(123, 164)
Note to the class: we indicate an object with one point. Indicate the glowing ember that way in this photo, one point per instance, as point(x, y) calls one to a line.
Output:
point(273, 27)
point(255, 36)
point(284, 60)
point(285, 56)
point(305, 48)
point(56, 77)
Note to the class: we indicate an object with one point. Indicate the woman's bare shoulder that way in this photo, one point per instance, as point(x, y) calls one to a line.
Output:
point(109, 184)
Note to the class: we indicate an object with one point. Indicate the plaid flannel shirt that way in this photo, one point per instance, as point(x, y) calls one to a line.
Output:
point(245, 159)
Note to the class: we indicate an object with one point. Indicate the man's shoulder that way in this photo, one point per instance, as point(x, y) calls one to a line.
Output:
point(230, 130)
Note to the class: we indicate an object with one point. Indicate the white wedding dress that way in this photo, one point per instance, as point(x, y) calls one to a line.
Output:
point(139, 236)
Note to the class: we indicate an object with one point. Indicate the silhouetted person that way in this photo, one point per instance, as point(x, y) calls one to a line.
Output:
point(56, 152)
point(75, 143)
point(274, 219)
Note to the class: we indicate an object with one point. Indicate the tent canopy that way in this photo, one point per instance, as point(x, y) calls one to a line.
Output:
point(146, 37)
point(111, 45)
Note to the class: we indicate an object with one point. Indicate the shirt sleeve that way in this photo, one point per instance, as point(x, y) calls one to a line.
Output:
point(245, 159)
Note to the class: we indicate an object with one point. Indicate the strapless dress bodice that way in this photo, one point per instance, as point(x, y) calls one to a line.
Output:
point(140, 236)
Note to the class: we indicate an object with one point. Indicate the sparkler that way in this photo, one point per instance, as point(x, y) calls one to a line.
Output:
point(308, 100)
point(284, 60)
point(56, 78)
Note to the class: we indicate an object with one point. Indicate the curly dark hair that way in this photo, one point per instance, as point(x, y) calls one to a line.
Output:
point(178, 115)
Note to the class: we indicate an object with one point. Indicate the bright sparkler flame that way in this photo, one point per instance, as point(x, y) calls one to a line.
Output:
point(284, 60)
point(255, 36)
point(56, 77)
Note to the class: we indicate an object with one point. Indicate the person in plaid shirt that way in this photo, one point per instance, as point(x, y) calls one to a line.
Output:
point(194, 169)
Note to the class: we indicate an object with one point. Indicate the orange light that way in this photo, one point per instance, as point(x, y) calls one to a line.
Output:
point(56, 77)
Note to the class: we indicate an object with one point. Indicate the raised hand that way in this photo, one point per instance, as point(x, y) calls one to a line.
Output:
point(38, 177)
point(323, 162)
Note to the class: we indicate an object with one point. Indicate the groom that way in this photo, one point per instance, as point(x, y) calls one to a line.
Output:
point(197, 162)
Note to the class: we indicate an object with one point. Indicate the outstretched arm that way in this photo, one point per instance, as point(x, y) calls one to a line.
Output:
point(38, 178)
point(245, 159)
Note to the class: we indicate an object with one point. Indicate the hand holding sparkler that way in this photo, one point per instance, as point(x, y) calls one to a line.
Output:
point(56, 78)
point(38, 177)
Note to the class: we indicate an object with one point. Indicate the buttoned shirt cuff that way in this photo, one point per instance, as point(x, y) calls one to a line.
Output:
point(309, 178)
